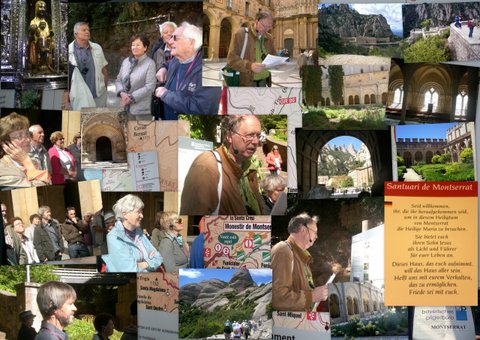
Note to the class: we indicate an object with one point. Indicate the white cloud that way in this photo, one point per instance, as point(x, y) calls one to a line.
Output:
point(261, 272)
point(191, 273)
point(391, 12)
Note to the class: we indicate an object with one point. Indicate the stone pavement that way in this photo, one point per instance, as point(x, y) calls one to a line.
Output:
point(285, 78)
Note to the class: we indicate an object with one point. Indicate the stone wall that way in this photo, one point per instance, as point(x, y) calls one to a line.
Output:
point(461, 49)
point(9, 312)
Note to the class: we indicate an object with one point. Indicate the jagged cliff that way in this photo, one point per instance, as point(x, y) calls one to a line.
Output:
point(339, 160)
point(441, 14)
point(206, 305)
point(343, 21)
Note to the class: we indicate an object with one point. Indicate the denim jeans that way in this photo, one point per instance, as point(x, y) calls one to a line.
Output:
point(77, 249)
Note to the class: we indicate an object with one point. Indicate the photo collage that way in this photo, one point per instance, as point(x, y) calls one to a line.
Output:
point(338, 136)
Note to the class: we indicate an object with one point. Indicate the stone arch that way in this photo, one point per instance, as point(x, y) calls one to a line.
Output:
point(384, 98)
point(225, 37)
point(206, 35)
point(327, 102)
point(309, 143)
point(107, 126)
point(418, 156)
point(407, 157)
point(373, 99)
point(334, 306)
point(428, 157)
point(350, 100)
point(103, 149)
point(366, 99)
point(357, 100)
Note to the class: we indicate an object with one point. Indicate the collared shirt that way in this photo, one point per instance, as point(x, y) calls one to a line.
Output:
point(50, 332)
point(50, 229)
point(40, 156)
point(86, 66)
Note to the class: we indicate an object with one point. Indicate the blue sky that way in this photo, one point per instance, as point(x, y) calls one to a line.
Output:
point(197, 275)
point(423, 130)
point(346, 140)
point(392, 12)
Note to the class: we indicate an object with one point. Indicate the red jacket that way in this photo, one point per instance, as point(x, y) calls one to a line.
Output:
point(57, 176)
point(271, 160)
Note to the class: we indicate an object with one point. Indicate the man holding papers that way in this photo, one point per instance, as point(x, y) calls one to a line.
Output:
point(293, 287)
point(259, 44)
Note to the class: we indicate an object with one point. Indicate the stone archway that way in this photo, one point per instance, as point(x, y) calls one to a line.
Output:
point(206, 36)
point(309, 144)
point(428, 157)
point(225, 38)
point(103, 149)
point(288, 44)
point(407, 157)
point(418, 156)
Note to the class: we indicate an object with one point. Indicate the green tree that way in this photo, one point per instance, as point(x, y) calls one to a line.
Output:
point(446, 158)
point(436, 159)
point(312, 84)
point(347, 182)
point(10, 276)
point(432, 50)
point(202, 127)
point(335, 82)
point(426, 23)
point(466, 156)
point(400, 161)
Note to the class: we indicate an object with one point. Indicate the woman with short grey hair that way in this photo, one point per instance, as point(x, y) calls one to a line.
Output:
point(272, 187)
point(129, 250)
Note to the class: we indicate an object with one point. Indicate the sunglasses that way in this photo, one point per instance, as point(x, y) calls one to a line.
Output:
point(179, 220)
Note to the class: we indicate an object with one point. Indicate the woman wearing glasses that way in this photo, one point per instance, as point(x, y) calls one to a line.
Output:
point(174, 249)
point(17, 169)
point(63, 162)
point(136, 80)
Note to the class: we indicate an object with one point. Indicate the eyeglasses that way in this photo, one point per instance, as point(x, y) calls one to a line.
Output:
point(176, 37)
point(267, 28)
point(179, 220)
point(250, 137)
point(20, 135)
point(314, 231)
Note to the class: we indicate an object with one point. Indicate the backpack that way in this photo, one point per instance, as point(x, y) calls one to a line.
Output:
point(227, 329)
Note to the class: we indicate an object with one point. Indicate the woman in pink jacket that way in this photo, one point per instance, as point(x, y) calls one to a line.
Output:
point(63, 164)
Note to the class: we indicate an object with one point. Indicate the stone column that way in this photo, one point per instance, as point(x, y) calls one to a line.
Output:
point(214, 42)
point(472, 83)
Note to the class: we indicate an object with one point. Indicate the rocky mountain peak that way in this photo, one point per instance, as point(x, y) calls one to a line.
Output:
point(241, 279)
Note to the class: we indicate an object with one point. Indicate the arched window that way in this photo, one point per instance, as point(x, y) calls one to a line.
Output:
point(373, 100)
point(461, 104)
point(397, 97)
point(431, 97)
point(366, 99)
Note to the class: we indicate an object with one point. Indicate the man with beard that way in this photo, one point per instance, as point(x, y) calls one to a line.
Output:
point(55, 301)
point(224, 181)
point(38, 153)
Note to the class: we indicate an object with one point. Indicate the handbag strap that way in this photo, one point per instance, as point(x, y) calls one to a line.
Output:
point(242, 54)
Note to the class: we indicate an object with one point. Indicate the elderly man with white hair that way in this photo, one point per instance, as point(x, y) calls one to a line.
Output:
point(87, 70)
point(183, 92)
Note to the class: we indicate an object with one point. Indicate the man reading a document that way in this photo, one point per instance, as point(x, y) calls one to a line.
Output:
point(259, 44)
point(293, 288)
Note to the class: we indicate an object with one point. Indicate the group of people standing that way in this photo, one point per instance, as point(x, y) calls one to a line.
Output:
point(26, 162)
point(46, 239)
point(171, 73)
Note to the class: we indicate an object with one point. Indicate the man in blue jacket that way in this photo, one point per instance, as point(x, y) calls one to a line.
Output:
point(183, 92)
